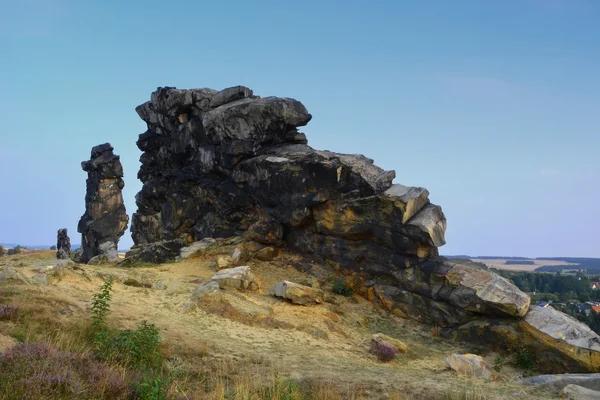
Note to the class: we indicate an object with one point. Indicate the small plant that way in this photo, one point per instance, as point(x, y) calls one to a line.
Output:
point(498, 363)
point(136, 348)
point(2, 251)
point(151, 388)
point(342, 288)
point(385, 352)
point(523, 358)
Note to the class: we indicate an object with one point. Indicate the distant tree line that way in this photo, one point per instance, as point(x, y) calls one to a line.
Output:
point(555, 287)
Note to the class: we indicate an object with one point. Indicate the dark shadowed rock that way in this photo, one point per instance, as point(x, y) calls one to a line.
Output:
point(105, 219)
point(63, 245)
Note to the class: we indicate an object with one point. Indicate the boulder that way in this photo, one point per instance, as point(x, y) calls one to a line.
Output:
point(580, 393)
point(206, 289)
point(471, 365)
point(197, 249)
point(105, 219)
point(63, 245)
point(397, 344)
point(556, 341)
point(589, 381)
point(297, 294)
point(236, 278)
point(265, 254)
point(157, 252)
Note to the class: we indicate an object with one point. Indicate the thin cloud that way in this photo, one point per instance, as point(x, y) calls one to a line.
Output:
point(550, 172)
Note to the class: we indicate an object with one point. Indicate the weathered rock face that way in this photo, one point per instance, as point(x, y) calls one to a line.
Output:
point(105, 219)
point(221, 164)
point(556, 341)
point(63, 245)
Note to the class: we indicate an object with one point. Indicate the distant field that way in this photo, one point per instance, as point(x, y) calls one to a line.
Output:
point(500, 263)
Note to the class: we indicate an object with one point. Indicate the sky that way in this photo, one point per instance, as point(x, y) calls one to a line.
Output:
point(493, 106)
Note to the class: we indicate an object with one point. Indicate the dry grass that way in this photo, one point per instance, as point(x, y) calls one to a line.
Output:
point(215, 355)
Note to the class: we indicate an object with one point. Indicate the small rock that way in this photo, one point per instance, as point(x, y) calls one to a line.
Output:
point(297, 294)
point(236, 278)
point(197, 249)
point(240, 256)
point(266, 254)
point(11, 274)
point(471, 365)
point(398, 344)
point(41, 278)
point(580, 393)
point(206, 289)
point(224, 262)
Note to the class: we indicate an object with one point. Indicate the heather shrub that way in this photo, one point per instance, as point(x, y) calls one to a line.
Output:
point(8, 312)
point(384, 351)
point(39, 371)
point(2, 251)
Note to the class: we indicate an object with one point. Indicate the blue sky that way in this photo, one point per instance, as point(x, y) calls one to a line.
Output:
point(493, 106)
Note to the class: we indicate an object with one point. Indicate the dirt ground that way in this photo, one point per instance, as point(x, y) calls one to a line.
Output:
point(326, 342)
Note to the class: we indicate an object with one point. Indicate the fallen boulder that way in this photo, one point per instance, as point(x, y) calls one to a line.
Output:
point(555, 341)
point(589, 381)
point(236, 278)
point(471, 365)
point(205, 289)
point(297, 294)
point(197, 249)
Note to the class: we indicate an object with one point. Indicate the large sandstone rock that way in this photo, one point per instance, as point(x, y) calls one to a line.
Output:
point(556, 341)
point(471, 365)
point(105, 219)
point(63, 245)
point(297, 294)
point(228, 163)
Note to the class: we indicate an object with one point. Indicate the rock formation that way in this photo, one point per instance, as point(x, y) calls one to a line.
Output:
point(63, 245)
point(105, 219)
point(222, 164)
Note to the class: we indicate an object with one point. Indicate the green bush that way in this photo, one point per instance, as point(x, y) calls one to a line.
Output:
point(151, 388)
point(342, 288)
point(137, 348)
point(53, 247)
point(15, 250)
point(523, 358)
point(498, 363)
